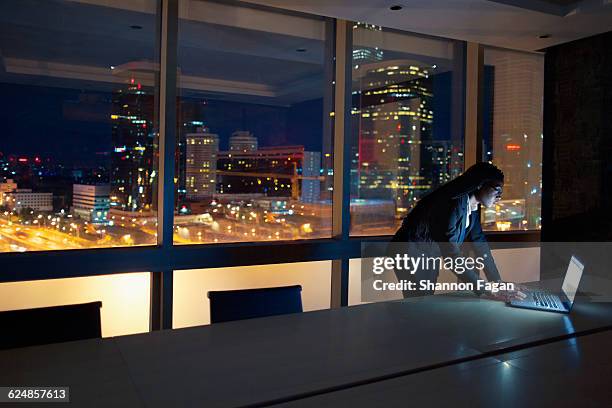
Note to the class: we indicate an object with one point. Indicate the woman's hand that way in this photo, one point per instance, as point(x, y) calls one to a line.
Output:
point(507, 295)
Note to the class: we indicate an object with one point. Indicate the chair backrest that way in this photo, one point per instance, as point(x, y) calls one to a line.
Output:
point(56, 324)
point(241, 304)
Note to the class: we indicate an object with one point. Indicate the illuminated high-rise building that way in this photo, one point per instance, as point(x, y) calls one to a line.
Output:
point(202, 149)
point(310, 190)
point(515, 142)
point(363, 53)
point(191, 117)
point(393, 115)
point(133, 137)
point(242, 141)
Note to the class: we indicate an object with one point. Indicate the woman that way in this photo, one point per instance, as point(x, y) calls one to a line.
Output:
point(444, 219)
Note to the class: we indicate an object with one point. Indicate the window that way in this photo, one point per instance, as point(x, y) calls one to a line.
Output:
point(512, 135)
point(407, 123)
point(78, 125)
point(79, 137)
point(191, 304)
point(124, 297)
point(253, 157)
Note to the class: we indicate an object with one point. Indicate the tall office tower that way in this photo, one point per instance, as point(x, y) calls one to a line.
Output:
point(393, 114)
point(91, 202)
point(311, 185)
point(517, 92)
point(279, 171)
point(242, 141)
point(133, 137)
point(202, 149)
point(191, 117)
point(364, 35)
point(437, 162)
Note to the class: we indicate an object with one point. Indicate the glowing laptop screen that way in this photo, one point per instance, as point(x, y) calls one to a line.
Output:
point(572, 279)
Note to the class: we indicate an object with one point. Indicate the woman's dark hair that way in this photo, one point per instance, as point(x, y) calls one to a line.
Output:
point(475, 177)
point(471, 180)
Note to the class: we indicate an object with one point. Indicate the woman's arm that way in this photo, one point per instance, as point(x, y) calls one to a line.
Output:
point(481, 247)
point(447, 233)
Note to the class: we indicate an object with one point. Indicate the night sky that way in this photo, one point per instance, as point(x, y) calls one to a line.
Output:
point(73, 126)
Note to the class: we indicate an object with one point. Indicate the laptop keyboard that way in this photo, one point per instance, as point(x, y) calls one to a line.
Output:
point(544, 299)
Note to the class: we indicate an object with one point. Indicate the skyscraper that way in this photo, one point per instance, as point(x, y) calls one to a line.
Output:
point(514, 80)
point(393, 115)
point(191, 117)
point(202, 148)
point(133, 136)
point(311, 184)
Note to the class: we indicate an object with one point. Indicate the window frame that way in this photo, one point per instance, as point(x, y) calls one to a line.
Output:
point(164, 258)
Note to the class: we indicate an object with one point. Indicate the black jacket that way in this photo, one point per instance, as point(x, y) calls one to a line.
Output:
point(440, 218)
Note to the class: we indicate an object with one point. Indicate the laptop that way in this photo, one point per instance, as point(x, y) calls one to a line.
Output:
point(549, 302)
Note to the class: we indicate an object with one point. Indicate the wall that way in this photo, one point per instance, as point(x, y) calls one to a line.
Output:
point(577, 182)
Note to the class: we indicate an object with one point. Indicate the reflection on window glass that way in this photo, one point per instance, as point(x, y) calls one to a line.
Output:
point(253, 159)
point(407, 123)
point(78, 124)
point(512, 135)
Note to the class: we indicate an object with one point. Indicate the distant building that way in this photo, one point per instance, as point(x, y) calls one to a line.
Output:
point(310, 191)
point(393, 120)
point(514, 144)
point(6, 187)
point(91, 202)
point(190, 115)
point(363, 54)
point(24, 198)
point(132, 174)
point(201, 164)
point(242, 141)
point(279, 171)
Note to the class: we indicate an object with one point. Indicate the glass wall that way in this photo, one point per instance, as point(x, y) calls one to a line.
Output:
point(125, 298)
point(79, 96)
point(191, 304)
point(407, 123)
point(253, 158)
point(512, 135)
point(78, 124)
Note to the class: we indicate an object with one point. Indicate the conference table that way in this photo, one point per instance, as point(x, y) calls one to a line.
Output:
point(290, 359)
point(574, 372)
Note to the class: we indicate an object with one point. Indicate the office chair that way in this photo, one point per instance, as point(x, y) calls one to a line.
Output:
point(45, 325)
point(250, 303)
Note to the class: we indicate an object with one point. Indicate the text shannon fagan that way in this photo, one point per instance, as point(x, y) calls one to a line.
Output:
point(409, 263)
point(425, 284)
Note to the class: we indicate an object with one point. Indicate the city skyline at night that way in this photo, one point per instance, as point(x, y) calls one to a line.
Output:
point(252, 161)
